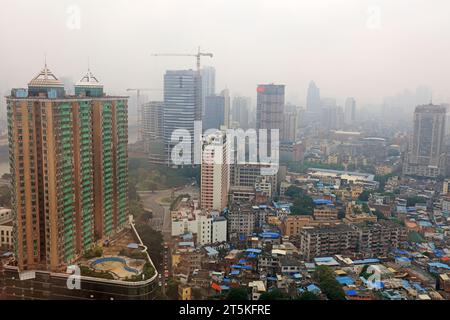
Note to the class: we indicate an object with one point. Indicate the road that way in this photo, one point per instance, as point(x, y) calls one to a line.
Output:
point(161, 221)
point(152, 201)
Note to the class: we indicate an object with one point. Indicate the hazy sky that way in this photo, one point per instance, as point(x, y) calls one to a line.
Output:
point(361, 48)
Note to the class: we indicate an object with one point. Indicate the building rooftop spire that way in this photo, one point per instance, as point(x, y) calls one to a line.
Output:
point(45, 78)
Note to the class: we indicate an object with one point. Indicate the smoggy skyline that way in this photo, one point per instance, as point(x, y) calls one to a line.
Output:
point(359, 48)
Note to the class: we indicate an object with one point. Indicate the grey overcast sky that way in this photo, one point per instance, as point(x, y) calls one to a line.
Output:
point(362, 48)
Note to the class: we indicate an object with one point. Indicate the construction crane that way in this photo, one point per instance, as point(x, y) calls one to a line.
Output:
point(198, 56)
point(139, 108)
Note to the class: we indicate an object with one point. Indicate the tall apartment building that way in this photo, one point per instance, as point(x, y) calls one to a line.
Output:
point(241, 220)
point(378, 239)
point(350, 111)
point(367, 239)
point(214, 116)
point(249, 175)
point(327, 241)
point(153, 131)
point(325, 212)
point(426, 156)
point(270, 108)
point(208, 82)
point(69, 166)
point(313, 98)
point(289, 127)
point(240, 111)
point(214, 173)
point(446, 186)
point(182, 106)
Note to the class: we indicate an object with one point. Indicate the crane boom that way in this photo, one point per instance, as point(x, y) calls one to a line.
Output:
point(198, 56)
point(139, 109)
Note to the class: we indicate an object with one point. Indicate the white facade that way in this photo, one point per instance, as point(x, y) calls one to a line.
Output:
point(204, 229)
point(6, 228)
point(219, 230)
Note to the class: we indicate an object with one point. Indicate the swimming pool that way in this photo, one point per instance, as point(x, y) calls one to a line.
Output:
point(116, 265)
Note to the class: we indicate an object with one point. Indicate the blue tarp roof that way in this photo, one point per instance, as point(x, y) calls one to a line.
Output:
point(319, 202)
point(257, 251)
point(223, 287)
point(272, 278)
point(419, 288)
point(186, 244)
point(313, 288)
point(235, 272)
point(297, 275)
point(345, 280)
point(351, 293)
point(372, 284)
point(403, 259)
point(438, 265)
point(211, 251)
point(227, 280)
point(242, 261)
point(236, 266)
point(251, 255)
point(242, 237)
point(269, 235)
point(366, 261)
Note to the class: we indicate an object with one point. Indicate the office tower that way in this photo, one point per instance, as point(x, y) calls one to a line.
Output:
point(270, 109)
point(446, 186)
point(331, 115)
point(208, 75)
point(182, 106)
point(226, 95)
point(240, 111)
point(153, 131)
point(69, 162)
point(426, 156)
point(214, 112)
point(290, 127)
point(313, 98)
point(350, 111)
point(214, 172)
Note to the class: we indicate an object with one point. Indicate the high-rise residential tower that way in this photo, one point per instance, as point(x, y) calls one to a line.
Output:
point(208, 75)
point(313, 98)
point(270, 107)
point(426, 156)
point(240, 111)
point(214, 172)
point(350, 111)
point(182, 106)
point(153, 131)
point(68, 162)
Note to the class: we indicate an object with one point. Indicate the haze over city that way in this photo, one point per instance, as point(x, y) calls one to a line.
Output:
point(365, 49)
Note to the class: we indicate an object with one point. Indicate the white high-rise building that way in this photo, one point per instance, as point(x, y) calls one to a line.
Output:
point(350, 111)
point(208, 75)
point(214, 172)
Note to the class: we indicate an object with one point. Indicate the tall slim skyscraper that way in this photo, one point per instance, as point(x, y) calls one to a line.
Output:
point(214, 112)
point(270, 107)
point(350, 111)
point(208, 75)
point(240, 111)
point(153, 131)
point(290, 127)
point(69, 168)
point(313, 98)
point(182, 105)
point(426, 156)
point(214, 172)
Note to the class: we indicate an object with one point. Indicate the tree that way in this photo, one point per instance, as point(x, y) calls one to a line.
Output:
point(237, 294)
point(153, 240)
point(324, 276)
point(273, 295)
point(308, 296)
point(364, 196)
point(293, 191)
point(303, 205)
point(5, 196)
